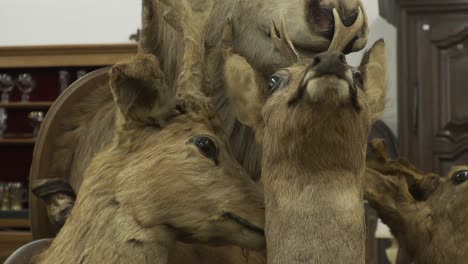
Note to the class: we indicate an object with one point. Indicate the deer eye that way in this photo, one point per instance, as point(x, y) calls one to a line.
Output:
point(207, 147)
point(460, 177)
point(273, 83)
point(357, 75)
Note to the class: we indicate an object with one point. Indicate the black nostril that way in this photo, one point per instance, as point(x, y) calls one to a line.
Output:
point(317, 61)
point(329, 63)
point(342, 58)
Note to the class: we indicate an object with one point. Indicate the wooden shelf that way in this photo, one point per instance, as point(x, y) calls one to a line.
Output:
point(26, 105)
point(14, 219)
point(17, 141)
point(65, 55)
point(14, 223)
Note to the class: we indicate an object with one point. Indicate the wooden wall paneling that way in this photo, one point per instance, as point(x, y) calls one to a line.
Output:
point(432, 77)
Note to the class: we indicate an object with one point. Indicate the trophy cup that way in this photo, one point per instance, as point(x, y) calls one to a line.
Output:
point(3, 121)
point(80, 74)
point(64, 80)
point(16, 196)
point(25, 85)
point(5, 201)
point(6, 85)
point(36, 118)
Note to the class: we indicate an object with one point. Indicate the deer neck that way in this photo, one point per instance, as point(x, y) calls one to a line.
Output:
point(101, 229)
point(313, 214)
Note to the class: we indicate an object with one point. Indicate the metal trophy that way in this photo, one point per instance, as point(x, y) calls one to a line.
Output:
point(3, 121)
point(6, 85)
point(36, 118)
point(16, 196)
point(26, 85)
point(80, 74)
point(64, 80)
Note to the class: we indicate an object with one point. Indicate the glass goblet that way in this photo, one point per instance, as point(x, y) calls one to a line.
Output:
point(25, 85)
point(3, 121)
point(6, 85)
point(36, 118)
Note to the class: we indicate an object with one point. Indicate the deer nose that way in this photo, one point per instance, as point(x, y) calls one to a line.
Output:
point(321, 16)
point(330, 63)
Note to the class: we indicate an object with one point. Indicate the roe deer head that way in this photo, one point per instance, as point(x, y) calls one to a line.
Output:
point(313, 119)
point(168, 174)
point(426, 212)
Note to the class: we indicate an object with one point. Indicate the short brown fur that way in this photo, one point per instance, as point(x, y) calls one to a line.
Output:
point(152, 185)
point(426, 212)
point(88, 128)
point(314, 143)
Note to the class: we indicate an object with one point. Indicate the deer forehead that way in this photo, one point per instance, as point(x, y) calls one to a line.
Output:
point(193, 123)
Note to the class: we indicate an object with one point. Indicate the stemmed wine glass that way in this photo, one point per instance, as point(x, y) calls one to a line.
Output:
point(6, 85)
point(25, 85)
point(3, 119)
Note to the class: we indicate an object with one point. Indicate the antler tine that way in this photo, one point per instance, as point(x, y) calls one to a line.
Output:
point(343, 35)
point(283, 43)
point(191, 24)
point(147, 13)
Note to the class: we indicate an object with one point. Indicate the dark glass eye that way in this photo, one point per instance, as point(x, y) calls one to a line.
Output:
point(357, 75)
point(207, 147)
point(460, 177)
point(274, 83)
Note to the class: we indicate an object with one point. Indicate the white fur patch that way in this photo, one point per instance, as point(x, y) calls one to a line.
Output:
point(320, 89)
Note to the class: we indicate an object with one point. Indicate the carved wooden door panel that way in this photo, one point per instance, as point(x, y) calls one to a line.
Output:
point(450, 139)
point(434, 102)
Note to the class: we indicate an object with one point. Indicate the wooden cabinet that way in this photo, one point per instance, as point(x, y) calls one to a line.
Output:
point(43, 63)
point(433, 83)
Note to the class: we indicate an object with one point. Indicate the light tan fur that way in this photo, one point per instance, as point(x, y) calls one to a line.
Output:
point(88, 128)
point(153, 184)
point(314, 148)
point(426, 212)
point(251, 22)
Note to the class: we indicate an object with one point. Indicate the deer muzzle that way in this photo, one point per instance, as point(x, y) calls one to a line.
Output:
point(328, 79)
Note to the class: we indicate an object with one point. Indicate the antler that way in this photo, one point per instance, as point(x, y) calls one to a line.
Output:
point(145, 44)
point(190, 22)
point(283, 43)
point(343, 35)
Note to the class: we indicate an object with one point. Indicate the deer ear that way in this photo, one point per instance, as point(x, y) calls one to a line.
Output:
point(374, 70)
point(58, 196)
point(140, 91)
point(390, 196)
point(242, 84)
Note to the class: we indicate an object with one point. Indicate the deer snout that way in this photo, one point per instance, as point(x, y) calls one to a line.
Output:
point(330, 63)
point(328, 78)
